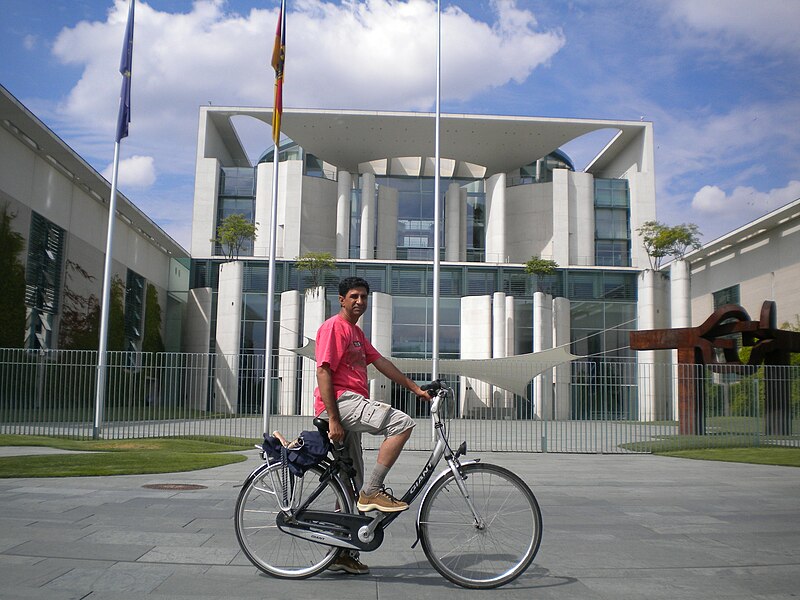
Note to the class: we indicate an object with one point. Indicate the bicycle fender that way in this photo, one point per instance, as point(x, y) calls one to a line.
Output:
point(442, 475)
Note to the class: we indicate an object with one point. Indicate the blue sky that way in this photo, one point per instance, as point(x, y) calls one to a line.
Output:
point(717, 78)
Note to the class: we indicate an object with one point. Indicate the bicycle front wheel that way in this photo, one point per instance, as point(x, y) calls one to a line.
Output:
point(271, 550)
point(491, 550)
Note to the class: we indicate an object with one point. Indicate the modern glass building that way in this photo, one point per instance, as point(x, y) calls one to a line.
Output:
point(360, 186)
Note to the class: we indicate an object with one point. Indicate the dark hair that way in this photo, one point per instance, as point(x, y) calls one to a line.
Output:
point(351, 283)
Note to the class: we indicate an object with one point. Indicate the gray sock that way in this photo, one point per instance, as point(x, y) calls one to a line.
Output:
point(375, 480)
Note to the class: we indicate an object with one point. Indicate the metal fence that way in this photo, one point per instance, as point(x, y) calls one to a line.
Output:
point(593, 407)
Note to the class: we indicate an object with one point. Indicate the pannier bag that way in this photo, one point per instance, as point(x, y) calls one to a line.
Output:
point(300, 455)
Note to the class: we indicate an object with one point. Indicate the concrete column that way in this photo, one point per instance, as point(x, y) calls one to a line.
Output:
point(583, 232)
point(510, 327)
point(561, 337)
point(543, 340)
point(452, 219)
point(476, 342)
point(499, 343)
point(314, 314)
point(653, 374)
point(196, 334)
point(680, 294)
point(496, 218)
point(680, 316)
point(561, 217)
point(367, 237)
point(204, 211)
point(381, 338)
point(344, 189)
point(228, 336)
point(263, 211)
point(288, 339)
point(462, 228)
point(387, 223)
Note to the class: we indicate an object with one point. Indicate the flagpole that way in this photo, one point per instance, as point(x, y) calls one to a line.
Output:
point(437, 195)
point(123, 119)
point(278, 58)
point(273, 237)
point(102, 350)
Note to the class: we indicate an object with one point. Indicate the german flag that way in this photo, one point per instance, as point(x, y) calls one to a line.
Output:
point(278, 60)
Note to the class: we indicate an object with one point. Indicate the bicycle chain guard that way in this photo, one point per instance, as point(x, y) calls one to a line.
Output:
point(330, 528)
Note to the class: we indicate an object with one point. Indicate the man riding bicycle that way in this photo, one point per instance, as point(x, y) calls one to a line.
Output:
point(342, 397)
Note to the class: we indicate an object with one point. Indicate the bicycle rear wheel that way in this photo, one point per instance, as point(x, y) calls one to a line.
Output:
point(268, 548)
point(490, 553)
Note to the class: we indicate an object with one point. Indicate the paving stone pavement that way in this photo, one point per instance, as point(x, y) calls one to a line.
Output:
point(615, 527)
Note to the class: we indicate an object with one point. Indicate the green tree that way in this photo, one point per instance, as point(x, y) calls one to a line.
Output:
point(541, 268)
point(152, 341)
point(661, 241)
point(232, 234)
point(116, 315)
point(12, 274)
point(317, 264)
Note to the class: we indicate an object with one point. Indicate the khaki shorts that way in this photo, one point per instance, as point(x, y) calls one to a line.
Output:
point(361, 415)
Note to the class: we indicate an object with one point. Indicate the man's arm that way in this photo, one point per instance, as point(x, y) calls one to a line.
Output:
point(326, 392)
point(385, 366)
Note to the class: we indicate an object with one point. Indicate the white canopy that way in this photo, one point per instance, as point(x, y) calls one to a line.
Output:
point(513, 373)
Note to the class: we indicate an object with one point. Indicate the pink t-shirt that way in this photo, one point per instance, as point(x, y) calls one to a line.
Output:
point(346, 350)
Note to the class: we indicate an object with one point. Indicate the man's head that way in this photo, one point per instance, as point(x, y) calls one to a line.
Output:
point(353, 293)
point(349, 283)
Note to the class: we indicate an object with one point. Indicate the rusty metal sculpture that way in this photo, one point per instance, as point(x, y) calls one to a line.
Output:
point(703, 345)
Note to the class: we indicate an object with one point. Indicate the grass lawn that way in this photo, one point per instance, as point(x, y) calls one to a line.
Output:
point(119, 457)
point(762, 455)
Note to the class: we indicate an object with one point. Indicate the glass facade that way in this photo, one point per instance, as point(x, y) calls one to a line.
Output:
point(601, 301)
point(237, 195)
point(612, 223)
point(603, 312)
point(540, 171)
point(415, 216)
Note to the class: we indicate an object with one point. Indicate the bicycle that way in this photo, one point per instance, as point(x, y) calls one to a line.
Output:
point(480, 524)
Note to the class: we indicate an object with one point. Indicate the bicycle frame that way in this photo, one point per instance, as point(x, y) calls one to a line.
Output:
point(359, 532)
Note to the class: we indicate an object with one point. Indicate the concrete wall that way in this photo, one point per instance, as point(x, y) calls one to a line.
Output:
point(196, 335)
point(476, 342)
point(228, 337)
point(766, 267)
point(31, 182)
point(288, 340)
point(529, 222)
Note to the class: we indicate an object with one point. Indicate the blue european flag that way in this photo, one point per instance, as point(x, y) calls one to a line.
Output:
point(125, 67)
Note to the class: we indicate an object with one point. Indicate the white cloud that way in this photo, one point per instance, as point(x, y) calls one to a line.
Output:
point(745, 199)
point(768, 24)
point(29, 42)
point(378, 54)
point(743, 204)
point(374, 54)
point(134, 172)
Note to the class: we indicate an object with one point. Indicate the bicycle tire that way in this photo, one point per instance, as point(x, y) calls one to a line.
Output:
point(268, 548)
point(467, 555)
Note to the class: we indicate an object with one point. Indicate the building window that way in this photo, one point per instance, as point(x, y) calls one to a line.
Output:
point(355, 223)
point(729, 295)
point(476, 222)
point(42, 280)
point(237, 195)
point(612, 222)
point(540, 171)
point(134, 311)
